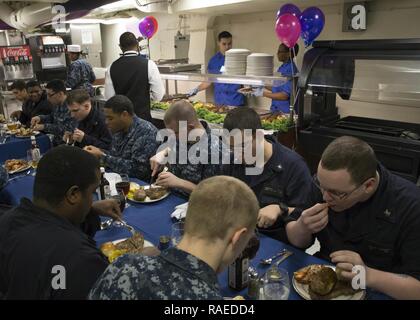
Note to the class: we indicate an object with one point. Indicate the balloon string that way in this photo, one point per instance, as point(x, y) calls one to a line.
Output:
point(293, 84)
point(148, 47)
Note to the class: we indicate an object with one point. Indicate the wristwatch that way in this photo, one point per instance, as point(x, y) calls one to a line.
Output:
point(284, 208)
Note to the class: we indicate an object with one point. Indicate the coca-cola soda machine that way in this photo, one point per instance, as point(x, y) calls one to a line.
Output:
point(49, 57)
point(15, 63)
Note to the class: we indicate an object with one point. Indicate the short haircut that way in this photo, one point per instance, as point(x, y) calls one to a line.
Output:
point(18, 85)
point(353, 155)
point(181, 110)
point(128, 40)
point(33, 83)
point(219, 204)
point(78, 96)
point(224, 34)
point(57, 86)
point(119, 104)
point(286, 48)
point(60, 169)
point(242, 118)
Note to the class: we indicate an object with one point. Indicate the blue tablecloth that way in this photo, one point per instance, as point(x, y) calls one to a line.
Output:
point(154, 220)
point(16, 148)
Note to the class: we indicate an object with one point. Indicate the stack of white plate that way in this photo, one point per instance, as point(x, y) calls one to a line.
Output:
point(235, 61)
point(260, 64)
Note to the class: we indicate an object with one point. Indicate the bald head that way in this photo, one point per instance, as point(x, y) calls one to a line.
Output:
point(181, 110)
point(218, 205)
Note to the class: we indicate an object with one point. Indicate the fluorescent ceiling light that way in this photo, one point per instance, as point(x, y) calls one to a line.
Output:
point(103, 21)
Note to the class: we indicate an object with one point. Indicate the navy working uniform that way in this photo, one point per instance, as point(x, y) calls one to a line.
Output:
point(33, 241)
point(286, 70)
point(131, 151)
point(96, 131)
point(58, 122)
point(285, 179)
point(224, 94)
point(80, 76)
point(204, 149)
point(384, 230)
point(173, 275)
point(32, 109)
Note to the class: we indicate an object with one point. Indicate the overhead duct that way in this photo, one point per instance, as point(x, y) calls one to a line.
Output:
point(28, 17)
point(150, 6)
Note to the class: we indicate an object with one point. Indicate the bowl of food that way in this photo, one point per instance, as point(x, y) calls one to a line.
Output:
point(321, 282)
point(16, 165)
point(133, 245)
point(25, 133)
point(146, 194)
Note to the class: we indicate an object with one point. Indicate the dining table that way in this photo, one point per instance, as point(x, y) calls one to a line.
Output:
point(154, 220)
point(17, 147)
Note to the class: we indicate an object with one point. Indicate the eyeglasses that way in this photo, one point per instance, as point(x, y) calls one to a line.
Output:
point(333, 193)
point(51, 94)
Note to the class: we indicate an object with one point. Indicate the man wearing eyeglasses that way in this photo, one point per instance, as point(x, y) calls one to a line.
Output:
point(363, 216)
point(60, 120)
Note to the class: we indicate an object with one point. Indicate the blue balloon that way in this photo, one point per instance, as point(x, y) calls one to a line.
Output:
point(289, 8)
point(312, 21)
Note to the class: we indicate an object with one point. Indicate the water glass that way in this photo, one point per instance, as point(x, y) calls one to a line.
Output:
point(275, 285)
point(177, 232)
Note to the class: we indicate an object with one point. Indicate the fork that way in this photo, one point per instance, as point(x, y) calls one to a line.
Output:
point(122, 223)
point(27, 173)
point(270, 260)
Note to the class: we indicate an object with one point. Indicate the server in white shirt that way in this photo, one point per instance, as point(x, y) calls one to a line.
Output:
point(135, 77)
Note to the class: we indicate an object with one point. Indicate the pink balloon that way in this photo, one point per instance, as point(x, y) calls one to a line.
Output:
point(288, 29)
point(148, 27)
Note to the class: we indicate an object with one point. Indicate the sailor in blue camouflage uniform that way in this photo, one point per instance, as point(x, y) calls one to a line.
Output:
point(60, 120)
point(80, 73)
point(133, 142)
point(183, 175)
point(212, 240)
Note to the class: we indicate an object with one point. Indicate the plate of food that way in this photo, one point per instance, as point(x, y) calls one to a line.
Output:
point(146, 194)
point(321, 282)
point(133, 245)
point(26, 133)
point(16, 165)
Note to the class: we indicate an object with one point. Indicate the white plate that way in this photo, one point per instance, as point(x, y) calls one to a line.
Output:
point(20, 170)
point(147, 244)
point(303, 291)
point(34, 133)
point(147, 200)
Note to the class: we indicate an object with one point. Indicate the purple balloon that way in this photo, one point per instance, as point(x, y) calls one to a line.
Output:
point(288, 29)
point(312, 21)
point(147, 27)
point(289, 8)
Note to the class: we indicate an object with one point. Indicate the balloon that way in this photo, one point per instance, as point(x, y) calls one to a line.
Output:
point(155, 23)
point(148, 27)
point(312, 21)
point(289, 8)
point(288, 29)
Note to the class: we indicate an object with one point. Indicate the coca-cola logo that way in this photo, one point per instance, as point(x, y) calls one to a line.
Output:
point(16, 52)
